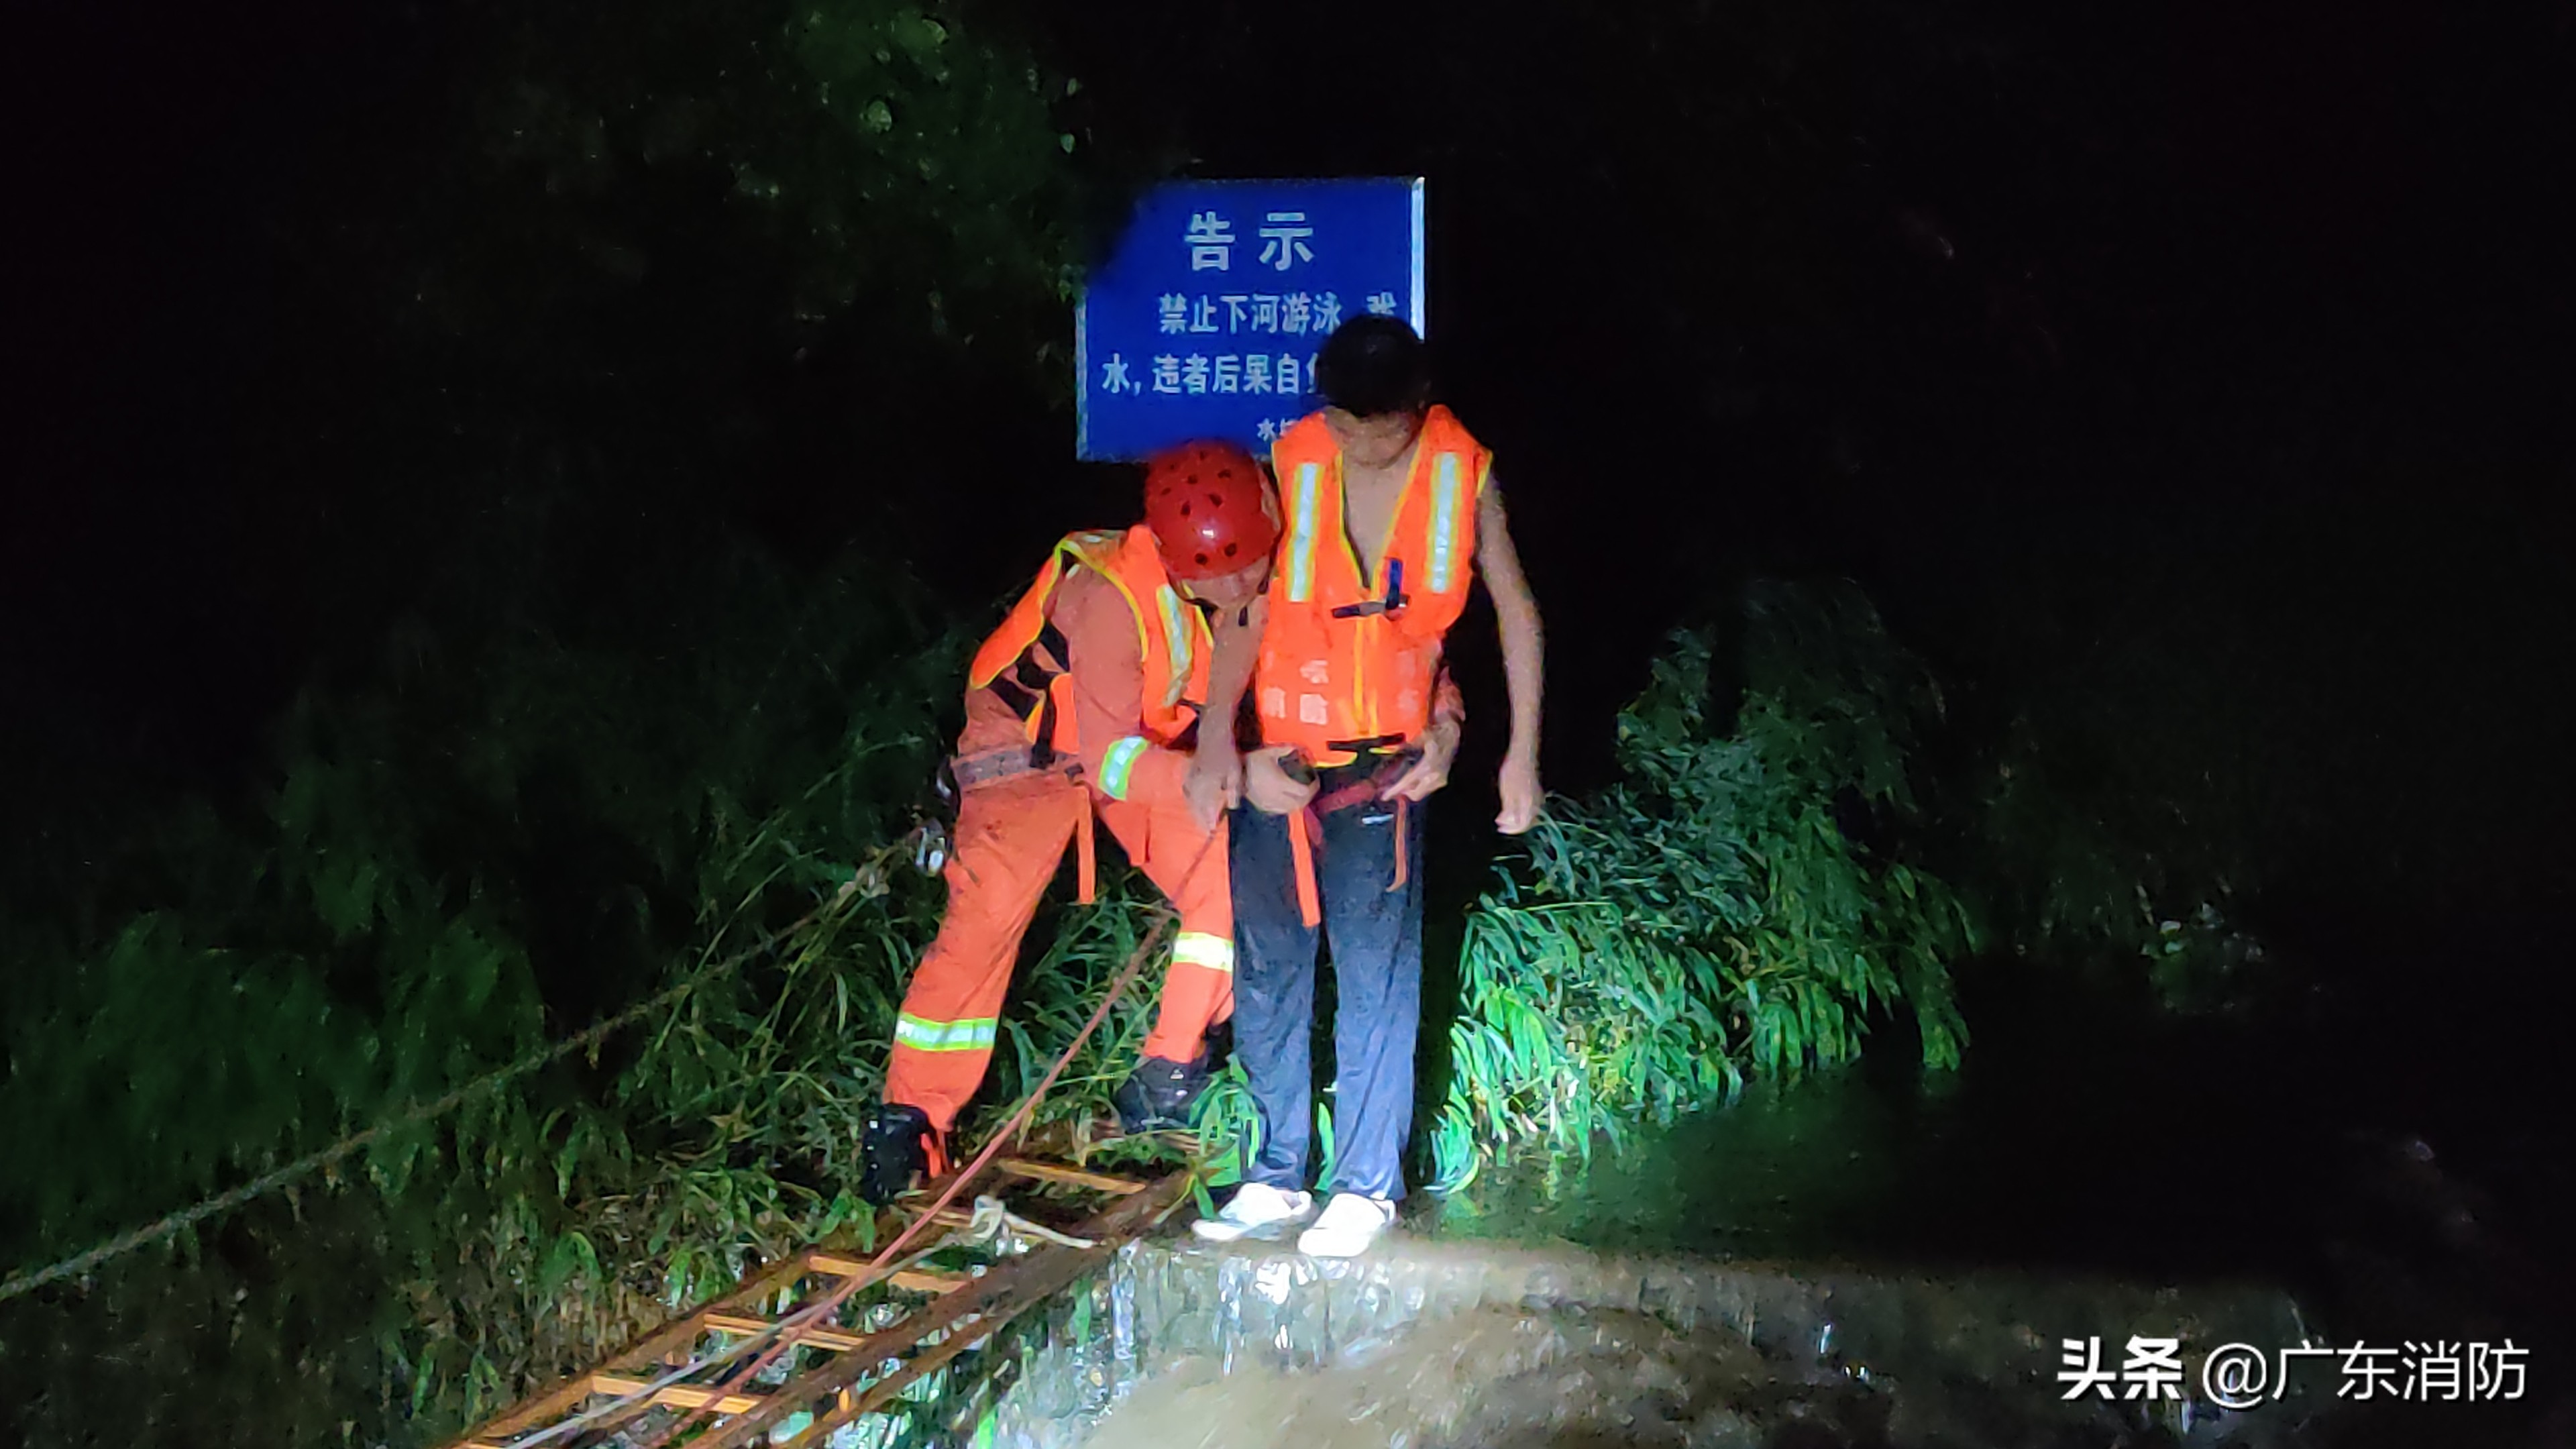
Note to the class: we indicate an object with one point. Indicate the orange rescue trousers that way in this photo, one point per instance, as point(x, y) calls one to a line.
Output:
point(1010, 837)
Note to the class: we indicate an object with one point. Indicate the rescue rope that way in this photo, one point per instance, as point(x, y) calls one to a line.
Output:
point(21, 1284)
point(992, 1216)
point(697, 1365)
point(830, 1303)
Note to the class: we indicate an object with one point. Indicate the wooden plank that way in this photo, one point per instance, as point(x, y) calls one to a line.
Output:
point(1068, 1176)
point(678, 1396)
point(910, 1280)
point(930, 1280)
point(999, 1295)
point(834, 1265)
point(883, 1391)
point(675, 1342)
point(834, 1339)
point(679, 1336)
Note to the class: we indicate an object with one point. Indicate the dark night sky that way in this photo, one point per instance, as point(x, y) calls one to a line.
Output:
point(2132, 242)
point(156, 154)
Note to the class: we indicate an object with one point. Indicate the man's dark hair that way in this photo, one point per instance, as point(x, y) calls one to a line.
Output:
point(1372, 366)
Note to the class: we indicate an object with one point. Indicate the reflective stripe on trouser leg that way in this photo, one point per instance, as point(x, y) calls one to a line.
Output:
point(1009, 840)
point(1199, 948)
point(1198, 992)
point(975, 1034)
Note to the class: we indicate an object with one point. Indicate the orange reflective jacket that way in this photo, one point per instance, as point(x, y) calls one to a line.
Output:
point(1025, 663)
point(1347, 664)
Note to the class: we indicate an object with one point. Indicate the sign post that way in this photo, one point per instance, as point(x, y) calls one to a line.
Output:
point(1207, 318)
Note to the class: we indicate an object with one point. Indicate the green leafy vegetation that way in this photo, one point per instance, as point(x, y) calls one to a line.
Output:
point(504, 839)
point(2121, 812)
point(398, 923)
point(1711, 917)
point(560, 347)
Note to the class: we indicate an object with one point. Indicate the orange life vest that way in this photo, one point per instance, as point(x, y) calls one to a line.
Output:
point(1024, 661)
point(1347, 663)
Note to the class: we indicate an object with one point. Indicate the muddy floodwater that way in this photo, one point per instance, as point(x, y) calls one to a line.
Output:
point(1884, 1259)
point(1485, 1344)
point(1428, 1345)
point(1500, 1377)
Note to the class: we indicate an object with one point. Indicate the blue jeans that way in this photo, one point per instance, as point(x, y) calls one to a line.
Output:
point(1376, 936)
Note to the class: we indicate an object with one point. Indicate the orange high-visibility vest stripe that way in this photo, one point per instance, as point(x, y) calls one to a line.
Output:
point(1347, 659)
point(1171, 634)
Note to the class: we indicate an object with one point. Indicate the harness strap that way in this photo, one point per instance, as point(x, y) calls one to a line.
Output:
point(1355, 793)
point(1393, 602)
point(1057, 733)
point(1023, 701)
point(987, 766)
point(1037, 688)
point(1051, 639)
point(1085, 849)
point(1398, 883)
point(1305, 832)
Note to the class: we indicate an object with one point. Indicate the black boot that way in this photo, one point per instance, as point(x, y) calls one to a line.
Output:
point(1159, 1095)
point(894, 1149)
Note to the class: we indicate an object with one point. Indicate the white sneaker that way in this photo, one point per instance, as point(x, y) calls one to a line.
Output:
point(1348, 1225)
point(1256, 1206)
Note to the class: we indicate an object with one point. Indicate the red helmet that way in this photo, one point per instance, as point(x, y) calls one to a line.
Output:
point(1209, 506)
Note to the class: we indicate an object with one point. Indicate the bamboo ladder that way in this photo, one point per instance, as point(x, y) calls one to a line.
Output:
point(655, 1371)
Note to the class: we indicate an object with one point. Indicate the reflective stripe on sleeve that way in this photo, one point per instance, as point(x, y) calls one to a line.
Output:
point(924, 1035)
point(1301, 535)
point(1198, 948)
point(1444, 520)
point(1117, 764)
point(1176, 635)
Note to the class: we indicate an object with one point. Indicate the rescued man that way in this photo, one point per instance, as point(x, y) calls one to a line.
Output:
point(1390, 512)
point(1086, 701)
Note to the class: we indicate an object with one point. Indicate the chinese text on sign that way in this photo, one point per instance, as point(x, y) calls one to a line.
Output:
point(1206, 319)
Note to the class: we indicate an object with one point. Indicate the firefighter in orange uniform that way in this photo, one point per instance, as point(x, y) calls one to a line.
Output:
point(1086, 701)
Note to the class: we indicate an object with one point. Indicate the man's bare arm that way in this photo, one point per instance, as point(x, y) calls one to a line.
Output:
point(1524, 658)
point(1216, 768)
point(1516, 616)
point(1238, 649)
